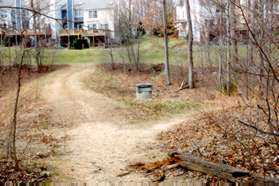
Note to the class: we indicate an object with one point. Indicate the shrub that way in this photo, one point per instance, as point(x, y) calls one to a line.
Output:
point(80, 44)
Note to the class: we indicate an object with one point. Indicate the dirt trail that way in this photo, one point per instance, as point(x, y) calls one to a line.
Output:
point(101, 142)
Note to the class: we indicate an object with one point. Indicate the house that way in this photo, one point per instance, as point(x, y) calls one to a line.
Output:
point(11, 18)
point(181, 18)
point(207, 20)
point(5, 14)
point(18, 23)
point(100, 16)
point(93, 20)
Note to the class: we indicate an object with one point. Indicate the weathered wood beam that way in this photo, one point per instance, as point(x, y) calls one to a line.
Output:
point(219, 170)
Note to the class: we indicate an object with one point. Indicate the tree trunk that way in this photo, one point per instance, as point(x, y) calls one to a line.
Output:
point(138, 53)
point(109, 43)
point(233, 32)
point(221, 49)
point(11, 146)
point(190, 46)
point(250, 47)
point(228, 47)
point(166, 42)
point(36, 40)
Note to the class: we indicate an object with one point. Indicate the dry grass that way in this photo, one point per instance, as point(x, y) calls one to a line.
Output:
point(119, 84)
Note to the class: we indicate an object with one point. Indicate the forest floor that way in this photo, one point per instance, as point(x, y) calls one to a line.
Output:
point(79, 127)
point(72, 131)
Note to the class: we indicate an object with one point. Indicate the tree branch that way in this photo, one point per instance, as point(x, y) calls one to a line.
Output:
point(257, 129)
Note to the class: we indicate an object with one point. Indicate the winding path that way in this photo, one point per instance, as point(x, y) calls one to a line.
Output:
point(101, 143)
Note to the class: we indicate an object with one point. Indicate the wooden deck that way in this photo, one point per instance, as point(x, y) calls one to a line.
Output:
point(95, 37)
point(24, 33)
point(84, 33)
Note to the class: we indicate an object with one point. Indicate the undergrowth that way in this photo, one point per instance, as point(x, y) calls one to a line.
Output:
point(160, 107)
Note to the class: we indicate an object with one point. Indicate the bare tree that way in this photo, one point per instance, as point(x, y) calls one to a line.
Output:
point(129, 19)
point(166, 44)
point(267, 97)
point(190, 46)
point(20, 58)
point(221, 30)
point(11, 145)
point(235, 57)
point(229, 58)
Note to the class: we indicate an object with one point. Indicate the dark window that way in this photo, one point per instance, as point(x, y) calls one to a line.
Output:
point(93, 14)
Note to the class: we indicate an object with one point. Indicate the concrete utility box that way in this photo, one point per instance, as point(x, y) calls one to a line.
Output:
point(144, 91)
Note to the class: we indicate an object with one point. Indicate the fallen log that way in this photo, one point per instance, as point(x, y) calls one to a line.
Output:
point(223, 171)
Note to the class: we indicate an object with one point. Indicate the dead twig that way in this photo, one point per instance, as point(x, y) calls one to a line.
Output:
point(183, 86)
point(257, 129)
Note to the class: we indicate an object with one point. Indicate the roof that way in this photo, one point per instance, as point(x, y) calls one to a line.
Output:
point(97, 4)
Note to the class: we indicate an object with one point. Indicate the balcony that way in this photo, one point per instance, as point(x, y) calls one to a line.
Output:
point(66, 32)
point(84, 33)
point(79, 19)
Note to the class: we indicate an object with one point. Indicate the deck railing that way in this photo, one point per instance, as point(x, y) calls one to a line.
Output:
point(82, 32)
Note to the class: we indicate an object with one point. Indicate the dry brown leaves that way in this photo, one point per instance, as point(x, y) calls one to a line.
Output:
point(35, 138)
point(16, 172)
point(123, 79)
point(218, 137)
point(159, 170)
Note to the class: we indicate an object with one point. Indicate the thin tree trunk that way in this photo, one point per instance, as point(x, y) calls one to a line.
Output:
point(221, 50)
point(190, 46)
point(109, 43)
point(166, 42)
point(1, 39)
point(37, 51)
point(250, 47)
point(138, 53)
point(233, 32)
point(11, 147)
point(208, 50)
point(228, 48)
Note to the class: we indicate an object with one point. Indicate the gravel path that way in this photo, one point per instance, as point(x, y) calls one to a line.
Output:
point(101, 142)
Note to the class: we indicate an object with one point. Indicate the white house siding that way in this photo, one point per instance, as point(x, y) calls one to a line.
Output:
point(54, 12)
point(7, 17)
point(181, 18)
point(104, 17)
point(5, 14)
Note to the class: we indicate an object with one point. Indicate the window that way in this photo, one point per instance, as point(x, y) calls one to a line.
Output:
point(3, 16)
point(180, 3)
point(92, 26)
point(104, 26)
point(78, 13)
point(93, 14)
